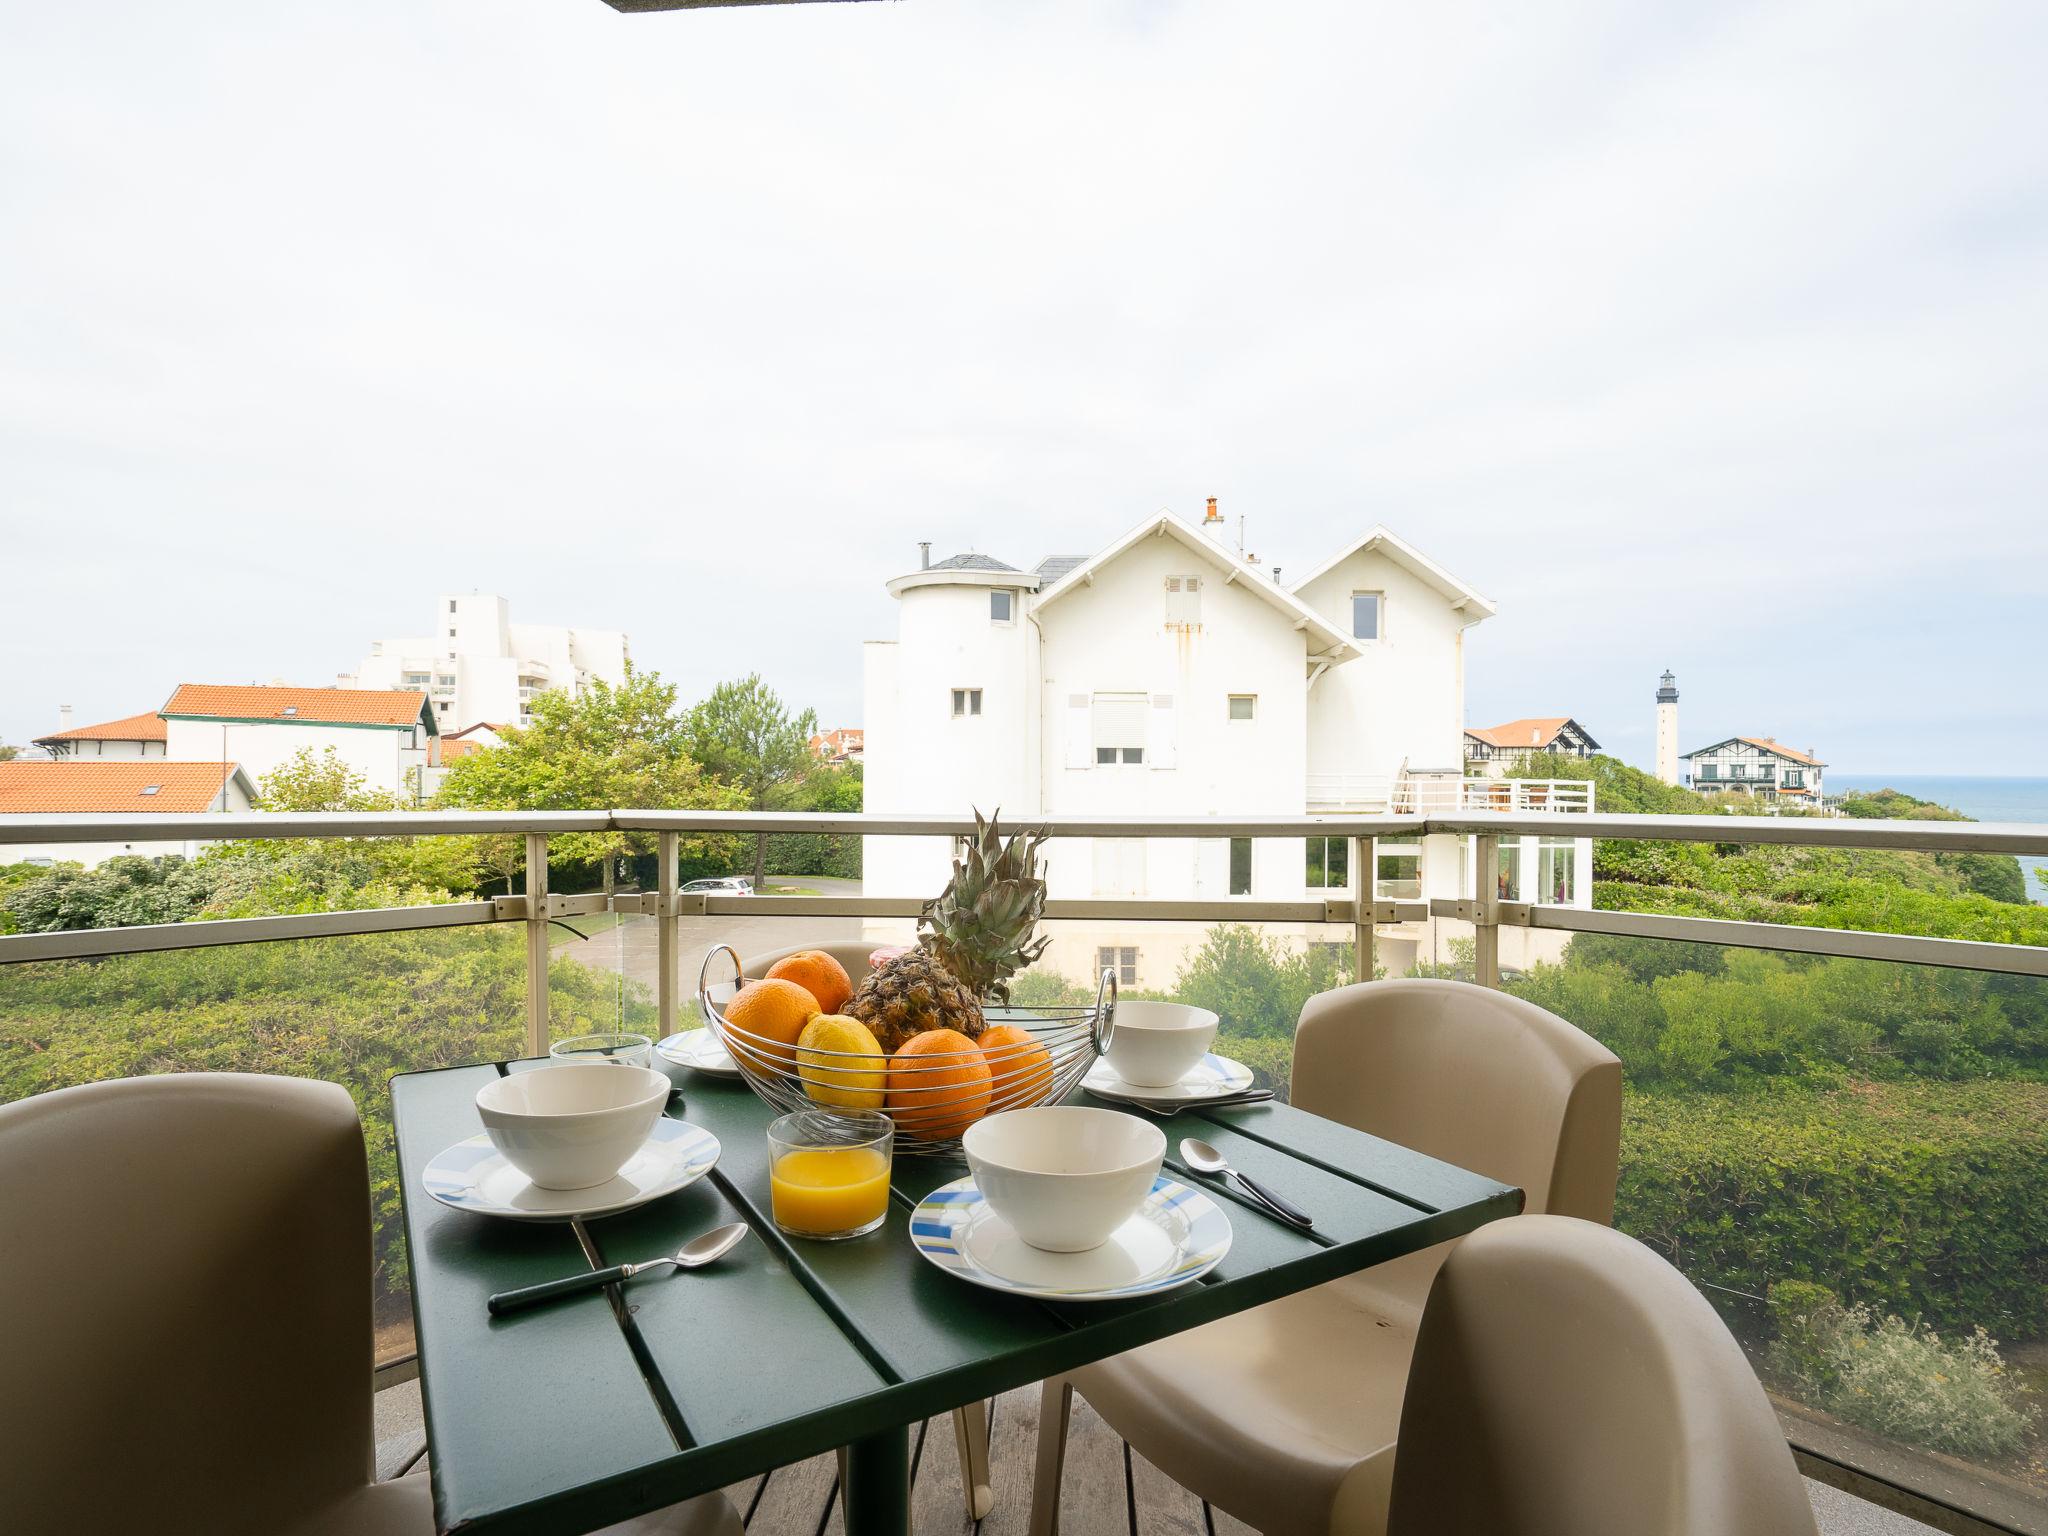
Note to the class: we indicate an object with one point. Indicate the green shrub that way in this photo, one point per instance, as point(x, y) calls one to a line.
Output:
point(1928, 1200)
point(1901, 1379)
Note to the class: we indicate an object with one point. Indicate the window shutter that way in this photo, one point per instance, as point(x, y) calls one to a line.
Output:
point(1120, 719)
point(1159, 733)
point(1080, 746)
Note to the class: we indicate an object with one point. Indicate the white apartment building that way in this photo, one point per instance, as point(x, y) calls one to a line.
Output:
point(475, 664)
point(389, 737)
point(1170, 675)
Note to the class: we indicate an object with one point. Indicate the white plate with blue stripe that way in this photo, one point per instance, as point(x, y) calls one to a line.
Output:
point(473, 1176)
point(1177, 1236)
point(1213, 1077)
point(701, 1051)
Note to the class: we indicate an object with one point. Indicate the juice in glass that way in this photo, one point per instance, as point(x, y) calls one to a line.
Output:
point(828, 1174)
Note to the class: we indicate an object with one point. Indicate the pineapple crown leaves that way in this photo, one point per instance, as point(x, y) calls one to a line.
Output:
point(979, 927)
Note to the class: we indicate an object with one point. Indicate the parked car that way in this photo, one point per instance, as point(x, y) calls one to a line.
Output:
point(722, 885)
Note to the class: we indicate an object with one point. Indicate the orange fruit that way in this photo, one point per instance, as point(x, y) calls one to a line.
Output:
point(818, 974)
point(939, 1083)
point(777, 1011)
point(1021, 1064)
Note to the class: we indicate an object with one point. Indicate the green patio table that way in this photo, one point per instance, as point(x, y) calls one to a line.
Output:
point(587, 1411)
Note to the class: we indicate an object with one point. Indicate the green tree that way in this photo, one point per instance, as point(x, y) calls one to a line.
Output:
point(8, 753)
point(746, 736)
point(607, 747)
point(304, 782)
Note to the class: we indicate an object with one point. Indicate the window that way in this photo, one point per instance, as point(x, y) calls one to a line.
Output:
point(1739, 771)
point(1240, 866)
point(1244, 706)
point(1366, 615)
point(1399, 877)
point(1000, 607)
point(1123, 959)
point(1795, 778)
point(441, 705)
point(451, 605)
point(966, 701)
point(290, 709)
point(1507, 878)
point(150, 789)
point(1557, 867)
point(451, 636)
point(1119, 721)
point(415, 679)
point(1183, 599)
point(1709, 771)
point(1329, 864)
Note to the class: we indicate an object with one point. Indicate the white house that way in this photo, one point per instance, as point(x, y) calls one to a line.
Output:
point(389, 737)
point(1171, 675)
point(115, 786)
point(1489, 749)
point(476, 664)
point(131, 738)
point(1756, 765)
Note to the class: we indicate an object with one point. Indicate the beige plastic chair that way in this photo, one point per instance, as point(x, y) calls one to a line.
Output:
point(1568, 1382)
point(185, 1281)
point(970, 1423)
point(1286, 1415)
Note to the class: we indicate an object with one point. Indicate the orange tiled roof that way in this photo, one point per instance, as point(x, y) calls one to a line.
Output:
point(1783, 751)
point(1530, 734)
point(148, 727)
point(316, 706)
point(68, 788)
point(845, 739)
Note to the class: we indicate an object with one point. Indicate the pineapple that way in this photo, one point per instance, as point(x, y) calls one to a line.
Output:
point(971, 940)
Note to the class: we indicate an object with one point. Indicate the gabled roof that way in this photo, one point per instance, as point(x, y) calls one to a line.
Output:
point(146, 727)
point(1415, 562)
point(1530, 735)
point(1762, 744)
point(378, 708)
point(481, 725)
point(71, 788)
point(1333, 641)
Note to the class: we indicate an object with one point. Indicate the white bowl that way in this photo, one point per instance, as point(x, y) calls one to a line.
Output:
point(570, 1127)
point(1064, 1176)
point(1155, 1045)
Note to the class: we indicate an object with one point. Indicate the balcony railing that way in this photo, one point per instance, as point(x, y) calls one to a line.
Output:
point(1951, 1494)
point(1444, 795)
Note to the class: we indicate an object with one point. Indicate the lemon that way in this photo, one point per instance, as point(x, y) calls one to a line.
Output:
point(827, 1055)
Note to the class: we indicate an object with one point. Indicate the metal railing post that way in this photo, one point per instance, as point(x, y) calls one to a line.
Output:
point(1365, 869)
point(536, 944)
point(1486, 910)
point(665, 933)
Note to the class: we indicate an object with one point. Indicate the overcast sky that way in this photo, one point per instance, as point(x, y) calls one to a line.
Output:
point(1712, 337)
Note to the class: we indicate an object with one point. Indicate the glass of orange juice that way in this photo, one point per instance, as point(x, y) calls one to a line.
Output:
point(828, 1173)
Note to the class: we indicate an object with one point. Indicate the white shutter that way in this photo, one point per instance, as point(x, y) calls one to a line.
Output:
point(1080, 746)
point(1120, 720)
point(1159, 732)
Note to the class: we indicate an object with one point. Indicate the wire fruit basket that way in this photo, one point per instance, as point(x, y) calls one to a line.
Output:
point(933, 1099)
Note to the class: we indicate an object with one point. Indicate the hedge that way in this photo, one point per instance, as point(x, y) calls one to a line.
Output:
point(1925, 1199)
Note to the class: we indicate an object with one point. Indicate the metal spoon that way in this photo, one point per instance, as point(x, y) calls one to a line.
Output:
point(1203, 1158)
point(698, 1251)
point(1167, 1110)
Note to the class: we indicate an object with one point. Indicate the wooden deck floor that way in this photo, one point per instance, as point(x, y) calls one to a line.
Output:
point(1107, 1491)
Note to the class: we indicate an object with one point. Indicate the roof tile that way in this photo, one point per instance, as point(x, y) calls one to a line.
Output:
point(66, 788)
point(144, 727)
point(303, 706)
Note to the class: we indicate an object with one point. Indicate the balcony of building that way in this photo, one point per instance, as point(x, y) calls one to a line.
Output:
point(358, 995)
point(1443, 794)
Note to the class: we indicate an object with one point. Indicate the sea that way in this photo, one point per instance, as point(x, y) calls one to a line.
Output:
point(1980, 798)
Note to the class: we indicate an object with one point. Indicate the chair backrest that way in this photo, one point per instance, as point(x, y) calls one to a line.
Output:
point(185, 1288)
point(1568, 1382)
point(1473, 1076)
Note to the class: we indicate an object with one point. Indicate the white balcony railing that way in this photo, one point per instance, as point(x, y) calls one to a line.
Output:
point(1410, 795)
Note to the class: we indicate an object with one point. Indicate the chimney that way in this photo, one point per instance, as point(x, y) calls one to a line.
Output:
point(1214, 519)
point(924, 554)
point(63, 717)
point(1276, 575)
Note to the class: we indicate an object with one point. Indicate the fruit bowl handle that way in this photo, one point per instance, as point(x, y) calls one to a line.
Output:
point(1105, 1016)
point(703, 987)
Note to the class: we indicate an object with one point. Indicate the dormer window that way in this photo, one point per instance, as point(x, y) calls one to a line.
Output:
point(1368, 615)
point(1002, 607)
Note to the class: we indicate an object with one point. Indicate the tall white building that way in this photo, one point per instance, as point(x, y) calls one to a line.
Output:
point(1171, 675)
point(476, 665)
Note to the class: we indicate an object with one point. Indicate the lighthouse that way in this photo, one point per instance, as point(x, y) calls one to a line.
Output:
point(1667, 730)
